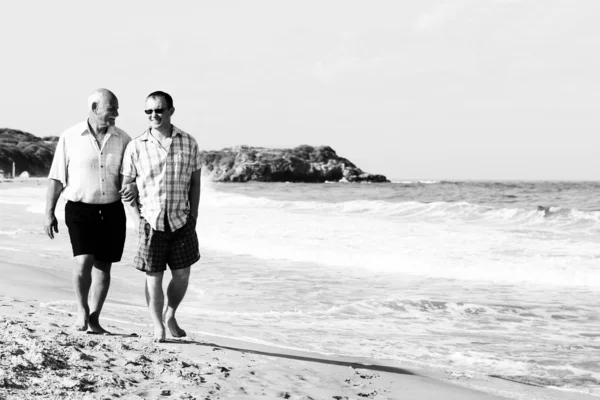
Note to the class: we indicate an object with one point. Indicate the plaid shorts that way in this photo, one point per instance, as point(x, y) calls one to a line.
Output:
point(157, 249)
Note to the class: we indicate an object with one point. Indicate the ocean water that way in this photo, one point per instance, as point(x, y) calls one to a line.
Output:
point(499, 278)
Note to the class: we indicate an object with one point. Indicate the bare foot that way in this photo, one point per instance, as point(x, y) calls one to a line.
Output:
point(174, 328)
point(94, 327)
point(159, 334)
point(81, 323)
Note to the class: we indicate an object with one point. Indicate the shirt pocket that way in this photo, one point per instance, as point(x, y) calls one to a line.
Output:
point(181, 163)
point(113, 164)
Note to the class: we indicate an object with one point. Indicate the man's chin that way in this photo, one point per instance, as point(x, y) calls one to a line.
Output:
point(106, 124)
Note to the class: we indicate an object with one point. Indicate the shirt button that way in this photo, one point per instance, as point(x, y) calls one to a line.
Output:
point(102, 166)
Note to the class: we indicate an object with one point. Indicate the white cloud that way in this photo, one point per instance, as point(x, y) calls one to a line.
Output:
point(158, 41)
point(345, 58)
point(163, 45)
point(507, 1)
point(439, 15)
point(326, 71)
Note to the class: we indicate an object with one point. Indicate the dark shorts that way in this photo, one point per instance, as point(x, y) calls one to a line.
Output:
point(157, 249)
point(97, 229)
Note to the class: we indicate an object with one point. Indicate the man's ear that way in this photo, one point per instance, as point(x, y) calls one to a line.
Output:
point(172, 110)
point(94, 107)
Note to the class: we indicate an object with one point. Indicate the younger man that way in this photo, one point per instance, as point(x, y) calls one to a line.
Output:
point(165, 164)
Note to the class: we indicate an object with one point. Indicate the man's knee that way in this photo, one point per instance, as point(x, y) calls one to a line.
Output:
point(103, 266)
point(181, 274)
point(154, 279)
point(84, 261)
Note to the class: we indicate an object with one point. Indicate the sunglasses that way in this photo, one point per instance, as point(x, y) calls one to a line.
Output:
point(156, 110)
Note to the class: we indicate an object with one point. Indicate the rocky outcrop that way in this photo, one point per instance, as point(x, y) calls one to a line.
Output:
point(300, 164)
point(235, 164)
point(29, 152)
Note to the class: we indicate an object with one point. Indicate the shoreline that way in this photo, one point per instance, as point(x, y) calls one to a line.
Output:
point(37, 341)
point(37, 338)
point(43, 357)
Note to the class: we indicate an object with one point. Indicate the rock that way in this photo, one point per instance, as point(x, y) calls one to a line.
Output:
point(78, 355)
point(367, 178)
point(300, 164)
point(49, 326)
point(68, 383)
point(120, 362)
point(29, 152)
point(135, 358)
point(35, 357)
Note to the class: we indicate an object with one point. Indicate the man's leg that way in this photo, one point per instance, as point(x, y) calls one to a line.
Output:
point(99, 290)
point(156, 301)
point(175, 293)
point(82, 280)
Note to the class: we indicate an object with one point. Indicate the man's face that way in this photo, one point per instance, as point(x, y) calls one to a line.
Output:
point(160, 116)
point(107, 111)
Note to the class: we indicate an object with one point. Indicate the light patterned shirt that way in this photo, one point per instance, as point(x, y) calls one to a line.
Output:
point(163, 176)
point(89, 173)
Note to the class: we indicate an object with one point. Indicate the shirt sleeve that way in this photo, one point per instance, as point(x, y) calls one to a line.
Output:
point(60, 163)
point(196, 159)
point(128, 165)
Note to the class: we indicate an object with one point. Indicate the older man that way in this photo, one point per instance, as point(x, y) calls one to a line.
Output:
point(86, 171)
point(165, 163)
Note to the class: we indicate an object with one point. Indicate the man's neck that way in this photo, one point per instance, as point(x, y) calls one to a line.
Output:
point(163, 133)
point(96, 130)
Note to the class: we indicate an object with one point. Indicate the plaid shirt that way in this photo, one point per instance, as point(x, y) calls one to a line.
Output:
point(163, 176)
point(89, 173)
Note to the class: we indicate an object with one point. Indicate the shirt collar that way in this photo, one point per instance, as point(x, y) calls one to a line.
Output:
point(146, 135)
point(85, 128)
point(176, 131)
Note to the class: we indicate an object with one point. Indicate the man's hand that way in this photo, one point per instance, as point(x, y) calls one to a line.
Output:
point(129, 192)
point(51, 225)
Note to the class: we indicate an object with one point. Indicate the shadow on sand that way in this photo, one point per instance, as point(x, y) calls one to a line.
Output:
point(371, 367)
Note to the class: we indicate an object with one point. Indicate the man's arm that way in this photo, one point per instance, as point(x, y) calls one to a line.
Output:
point(132, 206)
point(55, 188)
point(129, 192)
point(195, 194)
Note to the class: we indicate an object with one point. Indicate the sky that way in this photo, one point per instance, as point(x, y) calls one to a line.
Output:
point(423, 89)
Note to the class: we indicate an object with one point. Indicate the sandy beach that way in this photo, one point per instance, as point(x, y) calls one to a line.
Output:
point(42, 357)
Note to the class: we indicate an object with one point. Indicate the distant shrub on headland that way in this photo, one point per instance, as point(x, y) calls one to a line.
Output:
point(29, 152)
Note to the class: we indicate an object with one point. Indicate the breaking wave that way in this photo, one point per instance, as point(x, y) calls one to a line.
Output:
point(433, 211)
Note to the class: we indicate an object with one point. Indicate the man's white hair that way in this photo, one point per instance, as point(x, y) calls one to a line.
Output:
point(97, 96)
